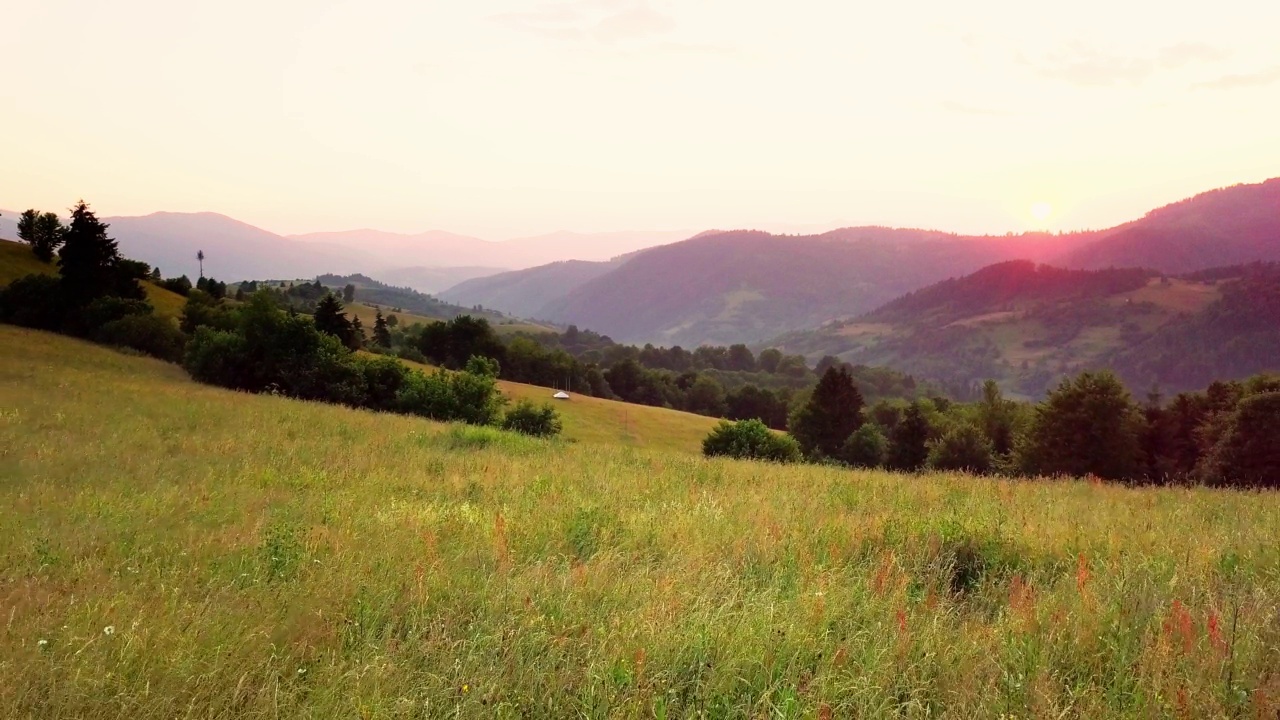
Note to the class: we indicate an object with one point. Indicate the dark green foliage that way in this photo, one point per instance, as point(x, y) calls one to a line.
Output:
point(349, 293)
point(867, 447)
point(34, 301)
point(705, 397)
point(270, 350)
point(530, 419)
point(753, 403)
point(833, 413)
point(909, 440)
point(450, 344)
point(330, 319)
point(43, 231)
point(1248, 451)
point(180, 285)
point(216, 290)
point(147, 333)
point(381, 333)
point(202, 310)
point(750, 440)
point(998, 418)
point(963, 448)
point(1087, 426)
point(90, 263)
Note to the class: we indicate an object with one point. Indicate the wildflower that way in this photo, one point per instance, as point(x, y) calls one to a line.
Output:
point(42, 644)
point(109, 630)
point(466, 688)
point(302, 671)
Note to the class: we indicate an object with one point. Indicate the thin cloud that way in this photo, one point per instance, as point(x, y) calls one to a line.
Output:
point(640, 21)
point(1085, 66)
point(1248, 80)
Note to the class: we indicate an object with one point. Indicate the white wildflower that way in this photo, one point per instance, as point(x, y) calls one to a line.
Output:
point(109, 630)
point(43, 644)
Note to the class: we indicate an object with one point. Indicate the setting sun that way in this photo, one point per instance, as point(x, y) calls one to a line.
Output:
point(1041, 211)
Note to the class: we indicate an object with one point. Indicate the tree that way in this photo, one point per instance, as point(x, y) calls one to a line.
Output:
point(997, 418)
point(705, 397)
point(200, 259)
point(381, 333)
point(330, 319)
point(740, 358)
point(89, 261)
point(963, 448)
point(909, 440)
point(1087, 426)
point(43, 231)
point(749, 440)
point(867, 447)
point(768, 360)
point(754, 403)
point(1248, 453)
point(349, 293)
point(832, 414)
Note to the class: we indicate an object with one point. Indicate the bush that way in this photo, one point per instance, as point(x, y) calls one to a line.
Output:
point(150, 334)
point(530, 419)
point(34, 301)
point(750, 440)
point(88, 320)
point(963, 448)
point(867, 447)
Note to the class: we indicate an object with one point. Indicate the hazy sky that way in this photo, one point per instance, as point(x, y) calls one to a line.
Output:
point(516, 117)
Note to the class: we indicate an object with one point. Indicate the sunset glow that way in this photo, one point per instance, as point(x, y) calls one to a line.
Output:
point(1041, 211)
point(515, 117)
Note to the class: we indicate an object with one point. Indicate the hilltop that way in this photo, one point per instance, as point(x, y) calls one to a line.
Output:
point(1028, 325)
point(747, 286)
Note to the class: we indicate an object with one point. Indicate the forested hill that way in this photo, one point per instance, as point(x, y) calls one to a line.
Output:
point(1028, 326)
point(1002, 287)
point(748, 286)
point(1230, 226)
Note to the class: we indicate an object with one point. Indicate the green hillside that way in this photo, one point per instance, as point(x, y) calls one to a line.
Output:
point(1027, 326)
point(176, 550)
point(17, 261)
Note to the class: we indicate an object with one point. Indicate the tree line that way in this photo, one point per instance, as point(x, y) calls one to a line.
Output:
point(1088, 426)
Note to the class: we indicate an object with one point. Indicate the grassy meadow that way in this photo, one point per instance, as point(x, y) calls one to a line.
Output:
point(175, 550)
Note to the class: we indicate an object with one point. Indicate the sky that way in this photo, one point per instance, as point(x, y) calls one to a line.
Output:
point(504, 118)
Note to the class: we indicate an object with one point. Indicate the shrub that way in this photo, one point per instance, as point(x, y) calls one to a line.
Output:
point(963, 448)
point(150, 334)
point(750, 440)
point(530, 419)
point(867, 447)
point(34, 301)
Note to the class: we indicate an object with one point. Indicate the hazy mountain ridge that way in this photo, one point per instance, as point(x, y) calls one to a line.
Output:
point(748, 286)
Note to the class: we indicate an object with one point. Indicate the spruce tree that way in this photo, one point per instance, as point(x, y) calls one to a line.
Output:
point(909, 440)
point(330, 319)
point(89, 259)
point(381, 334)
point(833, 413)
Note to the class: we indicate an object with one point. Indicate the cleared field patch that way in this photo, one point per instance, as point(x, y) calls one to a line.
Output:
point(1174, 295)
point(175, 550)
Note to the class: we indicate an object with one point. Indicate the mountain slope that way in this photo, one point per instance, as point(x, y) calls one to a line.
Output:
point(744, 286)
point(1229, 226)
point(1026, 326)
point(527, 292)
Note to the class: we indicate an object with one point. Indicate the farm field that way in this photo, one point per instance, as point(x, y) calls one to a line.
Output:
point(169, 549)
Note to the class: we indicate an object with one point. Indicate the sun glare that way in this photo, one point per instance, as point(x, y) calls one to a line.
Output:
point(1041, 211)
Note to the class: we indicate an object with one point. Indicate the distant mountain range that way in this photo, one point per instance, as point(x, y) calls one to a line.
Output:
point(746, 286)
point(427, 262)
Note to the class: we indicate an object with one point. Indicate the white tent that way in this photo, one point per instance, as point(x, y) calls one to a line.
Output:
point(562, 395)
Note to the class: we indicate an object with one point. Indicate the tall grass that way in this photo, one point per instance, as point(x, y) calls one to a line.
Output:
point(174, 550)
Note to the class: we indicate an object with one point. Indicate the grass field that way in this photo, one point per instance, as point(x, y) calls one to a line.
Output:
point(175, 550)
point(594, 420)
point(17, 261)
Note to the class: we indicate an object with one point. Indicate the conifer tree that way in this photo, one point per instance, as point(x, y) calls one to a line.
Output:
point(381, 334)
point(833, 413)
point(89, 261)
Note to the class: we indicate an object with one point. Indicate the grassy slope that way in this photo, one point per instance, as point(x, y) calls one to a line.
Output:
point(595, 420)
point(17, 261)
point(258, 557)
